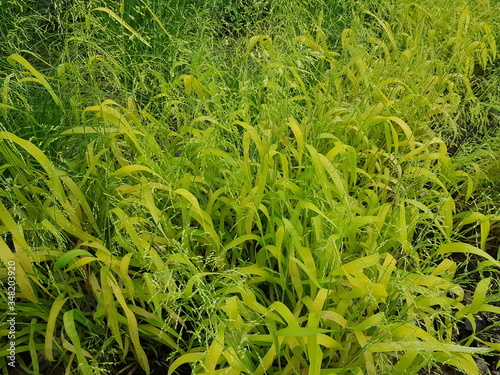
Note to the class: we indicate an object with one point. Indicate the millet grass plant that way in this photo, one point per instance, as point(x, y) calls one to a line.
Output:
point(265, 187)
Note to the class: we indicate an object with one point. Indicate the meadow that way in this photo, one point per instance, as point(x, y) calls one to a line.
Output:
point(250, 187)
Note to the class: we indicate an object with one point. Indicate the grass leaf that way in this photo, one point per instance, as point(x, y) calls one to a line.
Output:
point(123, 23)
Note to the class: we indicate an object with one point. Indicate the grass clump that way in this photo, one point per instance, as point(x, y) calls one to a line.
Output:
point(214, 188)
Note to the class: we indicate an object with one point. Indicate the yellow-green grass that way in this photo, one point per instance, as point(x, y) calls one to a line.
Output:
point(279, 200)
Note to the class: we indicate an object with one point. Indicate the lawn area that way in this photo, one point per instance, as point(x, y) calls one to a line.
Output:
point(250, 187)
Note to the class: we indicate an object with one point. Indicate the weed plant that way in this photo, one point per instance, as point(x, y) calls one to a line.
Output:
point(274, 188)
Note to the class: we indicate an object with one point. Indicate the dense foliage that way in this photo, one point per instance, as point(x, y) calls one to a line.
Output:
point(251, 187)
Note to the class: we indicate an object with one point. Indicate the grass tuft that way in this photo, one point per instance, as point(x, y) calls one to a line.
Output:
point(250, 187)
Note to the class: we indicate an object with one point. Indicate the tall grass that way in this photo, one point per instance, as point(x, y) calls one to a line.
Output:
point(289, 188)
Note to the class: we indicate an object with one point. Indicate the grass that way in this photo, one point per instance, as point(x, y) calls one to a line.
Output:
point(268, 189)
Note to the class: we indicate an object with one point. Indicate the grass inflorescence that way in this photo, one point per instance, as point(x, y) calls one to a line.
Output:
point(241, 187)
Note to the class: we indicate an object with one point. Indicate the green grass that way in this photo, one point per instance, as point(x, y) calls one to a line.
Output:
point(251, 187)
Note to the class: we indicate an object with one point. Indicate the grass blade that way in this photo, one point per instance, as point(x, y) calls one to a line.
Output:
point(123, 23)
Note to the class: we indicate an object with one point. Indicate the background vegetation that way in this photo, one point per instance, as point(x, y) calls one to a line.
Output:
point(251, 187)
